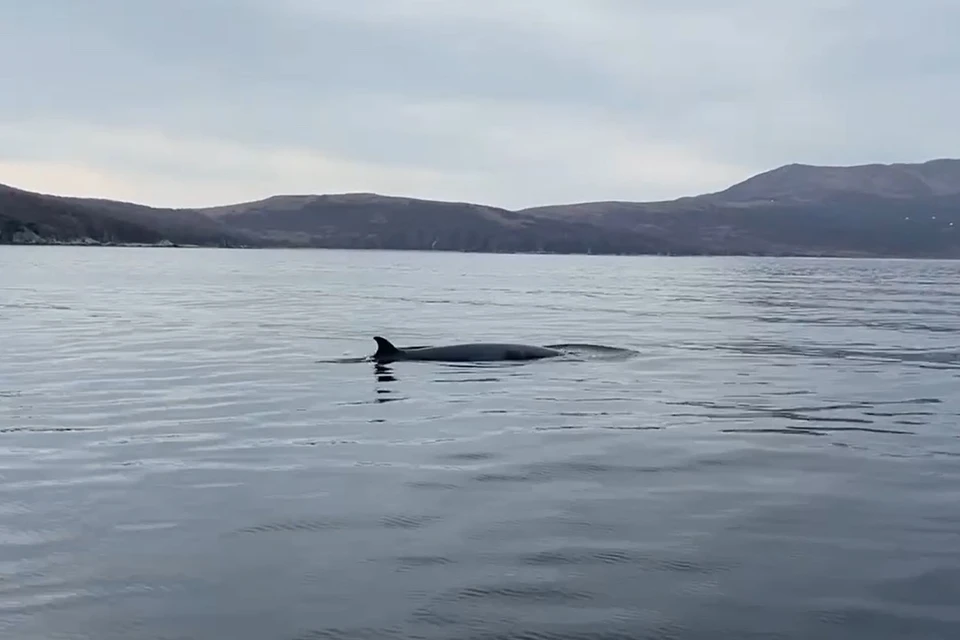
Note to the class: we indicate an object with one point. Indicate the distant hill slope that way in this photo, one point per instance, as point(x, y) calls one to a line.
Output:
point(370, 221)
point(31, 217)
point(27, 217)
point(181, 226)
point(801, 182)
point(897, 210)
point(841, 225)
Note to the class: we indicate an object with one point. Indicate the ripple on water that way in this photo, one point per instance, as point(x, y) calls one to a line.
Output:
point(297, 526)
point(22, 537)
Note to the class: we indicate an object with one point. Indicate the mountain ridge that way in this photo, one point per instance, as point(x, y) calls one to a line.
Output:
point(896, 210)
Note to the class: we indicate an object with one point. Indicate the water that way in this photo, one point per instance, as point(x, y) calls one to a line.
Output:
point(773, 453)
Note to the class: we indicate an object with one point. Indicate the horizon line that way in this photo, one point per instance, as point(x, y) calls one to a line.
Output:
point(474, 203)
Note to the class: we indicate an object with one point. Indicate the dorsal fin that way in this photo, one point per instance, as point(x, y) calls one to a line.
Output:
point(384, 347)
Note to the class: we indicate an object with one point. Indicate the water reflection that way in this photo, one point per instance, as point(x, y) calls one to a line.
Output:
point(384, 375)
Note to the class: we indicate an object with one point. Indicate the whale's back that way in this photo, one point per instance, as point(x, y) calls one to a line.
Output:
point(468, 352)
point(477, 351)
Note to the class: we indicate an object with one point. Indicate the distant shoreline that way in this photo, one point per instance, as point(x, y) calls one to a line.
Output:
point(863, 211)
point(170, 245)
point(94, 243)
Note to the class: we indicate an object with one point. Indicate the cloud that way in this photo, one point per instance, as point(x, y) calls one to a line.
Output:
point(511, 103)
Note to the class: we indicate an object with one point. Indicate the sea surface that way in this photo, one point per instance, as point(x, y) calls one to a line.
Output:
point(191, 447)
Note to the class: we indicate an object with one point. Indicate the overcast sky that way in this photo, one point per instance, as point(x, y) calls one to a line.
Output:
point(506, 102)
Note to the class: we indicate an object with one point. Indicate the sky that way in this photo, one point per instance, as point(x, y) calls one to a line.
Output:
point(512, 103)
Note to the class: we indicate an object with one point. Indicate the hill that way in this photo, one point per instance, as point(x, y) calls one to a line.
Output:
point(896, 210)
point(33, 218)
point(799, 182)
point(370, 221)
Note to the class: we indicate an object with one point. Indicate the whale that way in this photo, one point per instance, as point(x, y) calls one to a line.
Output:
point(469, 352)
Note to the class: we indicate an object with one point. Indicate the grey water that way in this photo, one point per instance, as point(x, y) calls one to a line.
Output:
point(191, 446)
